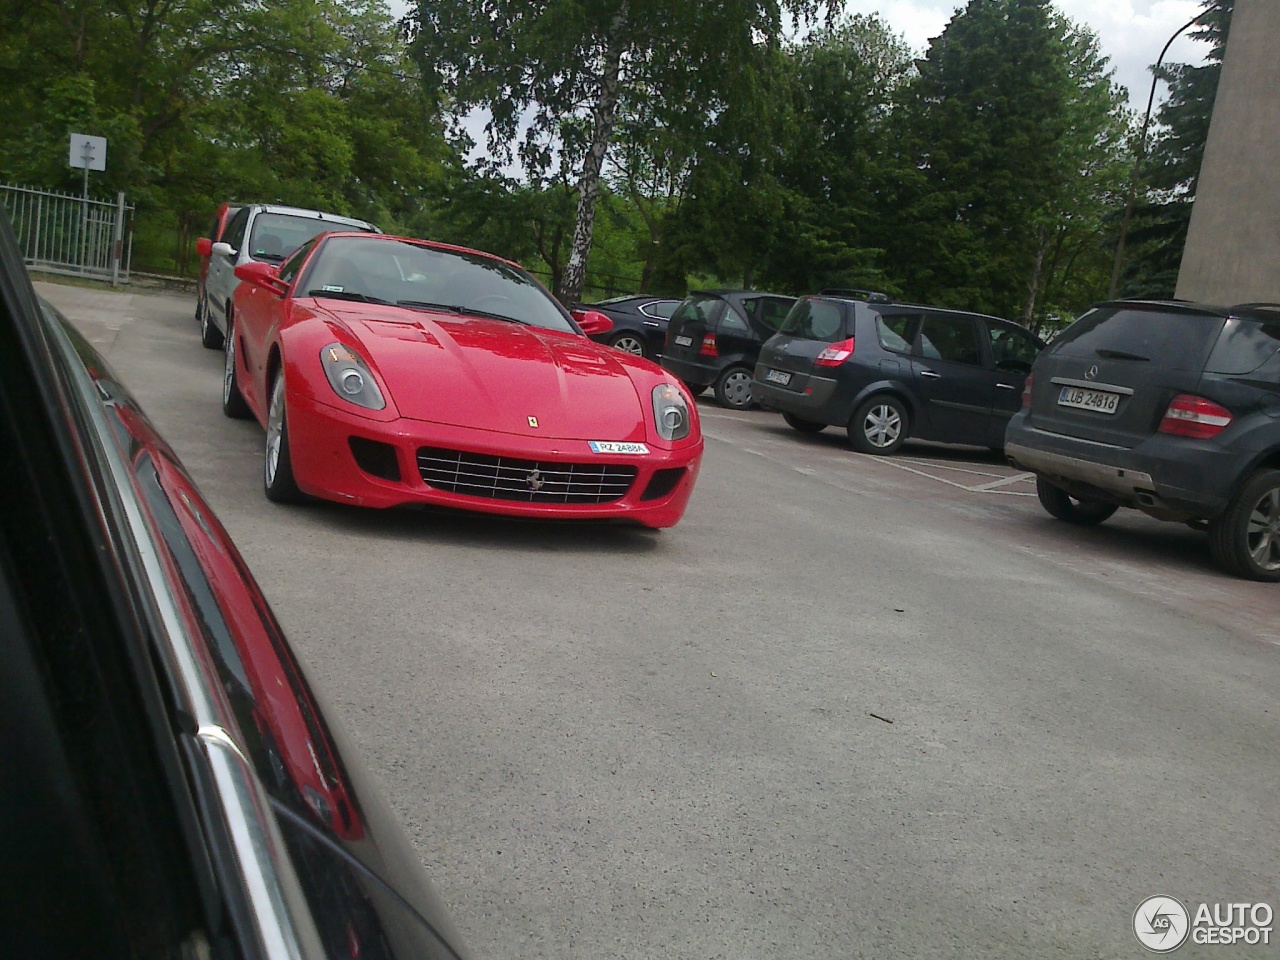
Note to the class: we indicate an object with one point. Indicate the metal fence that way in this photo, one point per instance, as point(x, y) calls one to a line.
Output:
point(64, 233)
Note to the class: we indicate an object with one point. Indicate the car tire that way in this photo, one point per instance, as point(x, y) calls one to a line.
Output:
point(733, 388)
point(277, 465)
point(629, 342)
point(1245, 540)
point(880, 426)
point(210, 337)
point(1062, 506)
point(803, 425)
point(233, 402)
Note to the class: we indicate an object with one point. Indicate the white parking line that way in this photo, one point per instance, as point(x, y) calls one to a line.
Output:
point(1016, 478)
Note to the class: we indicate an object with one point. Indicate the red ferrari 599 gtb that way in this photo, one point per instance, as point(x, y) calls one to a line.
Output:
point(389, 371)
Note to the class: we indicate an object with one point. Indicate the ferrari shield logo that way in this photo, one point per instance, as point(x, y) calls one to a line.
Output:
point(533, 422)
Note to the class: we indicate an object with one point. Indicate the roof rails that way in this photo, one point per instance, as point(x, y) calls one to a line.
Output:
point(871, 296)
point(1255, 306)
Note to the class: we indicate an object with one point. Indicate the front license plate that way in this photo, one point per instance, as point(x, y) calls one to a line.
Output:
point(1096, 400)
point(684, 341)
point(778, 376)
point(617, 446)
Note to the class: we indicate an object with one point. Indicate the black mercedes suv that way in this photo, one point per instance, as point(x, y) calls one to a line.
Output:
point(887, 370)
point(1168, 407)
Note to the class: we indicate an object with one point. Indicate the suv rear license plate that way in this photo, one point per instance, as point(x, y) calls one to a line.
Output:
point(1095, 400)
point(684, 341)
point(778, 376)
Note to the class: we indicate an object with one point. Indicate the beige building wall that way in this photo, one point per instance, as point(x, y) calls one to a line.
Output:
point(1233, 242)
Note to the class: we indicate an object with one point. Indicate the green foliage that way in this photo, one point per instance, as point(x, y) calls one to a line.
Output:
point(1010, 135)
point(311, 102)
point(1172, 165)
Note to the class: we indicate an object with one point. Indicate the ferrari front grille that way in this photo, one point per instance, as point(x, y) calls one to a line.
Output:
point(531, 481)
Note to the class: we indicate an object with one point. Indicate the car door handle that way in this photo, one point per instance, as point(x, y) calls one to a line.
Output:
point(1005, 386)
point(930, 374)
point(651, 323)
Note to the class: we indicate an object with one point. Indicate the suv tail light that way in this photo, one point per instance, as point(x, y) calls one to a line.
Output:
point(708, 348)
point(1026, 392)
point(835, 354)
point(1195, 417)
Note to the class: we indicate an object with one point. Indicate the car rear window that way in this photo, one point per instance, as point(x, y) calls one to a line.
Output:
point(699, 309)
point(1243, 346)
point(815, 320)
point(1171, 339)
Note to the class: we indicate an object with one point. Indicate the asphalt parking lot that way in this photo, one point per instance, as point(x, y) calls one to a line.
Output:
point(850, 707)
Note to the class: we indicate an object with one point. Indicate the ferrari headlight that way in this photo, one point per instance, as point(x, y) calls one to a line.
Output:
point(670, 412)
point(350, 377)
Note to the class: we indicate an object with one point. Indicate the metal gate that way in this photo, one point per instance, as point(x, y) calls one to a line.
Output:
point(64, 233)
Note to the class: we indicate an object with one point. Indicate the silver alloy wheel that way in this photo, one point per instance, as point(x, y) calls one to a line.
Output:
point(275, 430)
point(1262, 536)
point(737, 388)
point(629, 344)
point(882, 426)
point(228, 363)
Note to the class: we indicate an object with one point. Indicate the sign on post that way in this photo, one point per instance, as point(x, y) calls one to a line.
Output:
point(89, 153)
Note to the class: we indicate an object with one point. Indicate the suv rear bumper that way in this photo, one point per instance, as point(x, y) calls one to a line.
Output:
point(812, 405)
point(1168, 477)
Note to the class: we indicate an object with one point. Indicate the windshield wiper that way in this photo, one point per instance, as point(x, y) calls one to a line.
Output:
point(344, 295)
point(1120, 355)
point(460, 310)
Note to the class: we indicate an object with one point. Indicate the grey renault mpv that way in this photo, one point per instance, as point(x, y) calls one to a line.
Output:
point(888, 371)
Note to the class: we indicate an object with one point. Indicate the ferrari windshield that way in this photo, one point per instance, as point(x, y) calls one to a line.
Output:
point(416, 276)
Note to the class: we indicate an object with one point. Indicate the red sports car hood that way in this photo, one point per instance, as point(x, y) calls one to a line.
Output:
point(495, 375)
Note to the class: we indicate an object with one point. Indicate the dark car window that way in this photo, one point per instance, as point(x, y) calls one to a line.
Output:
point(234, 233)
point(1171, 339)
point(953, 339)
point(1243, 346)
point(1013, 349)
point(815, 320)
point(276, 235)
point(731, 320)
point(770, 311)
point(660, 309)
point(897, 331)
point(699, 309)
point(289, 269)
point(416, 275)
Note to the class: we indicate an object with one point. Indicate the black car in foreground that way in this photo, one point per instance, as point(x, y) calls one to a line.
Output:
point(172, 787)
point(715, 336)
point(639, 324)
point(887, 371)
point(1171, 408)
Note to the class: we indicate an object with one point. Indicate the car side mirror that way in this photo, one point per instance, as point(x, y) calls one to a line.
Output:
point(204, 247)
point(261, 275)
point(593, 322)
point(223, 249)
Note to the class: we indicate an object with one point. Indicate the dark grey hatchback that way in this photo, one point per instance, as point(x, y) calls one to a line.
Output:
point(714, 338)
point(886, 371)
point(1171, 408)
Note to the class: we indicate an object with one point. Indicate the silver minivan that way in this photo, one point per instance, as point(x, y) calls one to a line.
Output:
point(265, 232)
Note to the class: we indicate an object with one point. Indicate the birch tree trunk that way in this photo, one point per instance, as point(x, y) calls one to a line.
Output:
point(604, 118)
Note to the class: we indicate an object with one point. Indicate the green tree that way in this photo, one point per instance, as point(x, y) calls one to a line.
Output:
point(1171, 166)
point(564, 71)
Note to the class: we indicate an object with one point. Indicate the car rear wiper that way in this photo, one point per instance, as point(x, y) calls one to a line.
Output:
point(345, 295)
point(1120, 355)
point(460, 310)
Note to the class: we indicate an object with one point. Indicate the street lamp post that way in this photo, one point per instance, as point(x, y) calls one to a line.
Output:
point(1141, 155)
